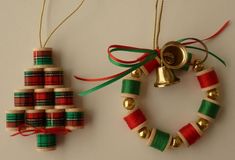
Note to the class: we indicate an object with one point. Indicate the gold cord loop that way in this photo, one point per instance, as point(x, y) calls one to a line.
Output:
point(58, 26)
point(157, 23)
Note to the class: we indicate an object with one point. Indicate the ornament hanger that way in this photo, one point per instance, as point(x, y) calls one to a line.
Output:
point(58, 26)
point(157, 23)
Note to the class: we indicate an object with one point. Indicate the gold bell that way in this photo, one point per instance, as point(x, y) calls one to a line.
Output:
point(165, 77)
point(174, 55)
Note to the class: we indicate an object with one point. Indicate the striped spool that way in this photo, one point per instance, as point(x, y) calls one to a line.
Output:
point(35, 118)
point(55, 118)
point(74, 118)
point(190, 133)
point(150, 66)
point(135, 120)
point(53, 77)
point(63, 98)
point(46, 142)
point(42, 57)
point(14, 119)
point(131, 87)
point(159, 140)
point(24, 99)
point(209, 109)
point(208, 79)
point(44, 98)
point(34, 78)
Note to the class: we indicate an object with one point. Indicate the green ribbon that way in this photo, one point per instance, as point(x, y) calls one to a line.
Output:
point(151, 55)
point(212, 54)
point(200, 49)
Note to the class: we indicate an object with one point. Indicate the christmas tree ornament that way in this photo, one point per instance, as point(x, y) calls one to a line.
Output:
point(44, 106)
point(174, 56)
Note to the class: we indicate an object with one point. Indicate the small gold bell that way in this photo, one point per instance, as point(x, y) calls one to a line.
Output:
point(174, 55)
point(165, 77)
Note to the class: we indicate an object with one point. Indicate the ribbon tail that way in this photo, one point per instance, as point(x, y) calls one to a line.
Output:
point(214, 55)
point(126, 72)
point(98, 79)
point(221, 29)
point(15, 134)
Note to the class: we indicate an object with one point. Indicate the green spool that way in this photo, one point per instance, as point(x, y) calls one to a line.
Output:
point(161, 140)
point(74, 115)
point(131, 86)
point(43, 61)
point(23, 94)
point(209, 108)
point(46, 141)
point(14, 119)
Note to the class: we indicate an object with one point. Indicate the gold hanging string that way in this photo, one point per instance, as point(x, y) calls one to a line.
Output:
point(58, 26)
point(157, 23)
point(40, 25)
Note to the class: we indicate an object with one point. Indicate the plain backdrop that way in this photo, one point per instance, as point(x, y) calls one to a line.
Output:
point(80, 49)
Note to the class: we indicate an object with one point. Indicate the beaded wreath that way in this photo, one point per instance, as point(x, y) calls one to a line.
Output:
point(189, 133)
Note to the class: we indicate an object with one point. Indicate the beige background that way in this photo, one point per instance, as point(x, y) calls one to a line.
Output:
point(80, 48)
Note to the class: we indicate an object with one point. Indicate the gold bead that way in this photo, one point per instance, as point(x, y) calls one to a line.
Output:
point(136, 73)
point(202, 123)
point(176, 142)
point(144, 132)
point(129, 103)
point(197, 67)
point(213, 94)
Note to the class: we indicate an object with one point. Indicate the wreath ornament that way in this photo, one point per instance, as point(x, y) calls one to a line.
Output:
point(173, 56)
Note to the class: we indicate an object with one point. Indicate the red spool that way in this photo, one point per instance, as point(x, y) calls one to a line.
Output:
point(35, 118)
point(208, 79)
point(135, 119)
point(42, 52)
point(55, 118)
point(55, 115)
point(53, 77)
point(63, 98)
point(150, 66)
point(24, 99)
point(44, 98)
point(36, 115)
point(34, 78)
point(189, 133)
point(42, 57)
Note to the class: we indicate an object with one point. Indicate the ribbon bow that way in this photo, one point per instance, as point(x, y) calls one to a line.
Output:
point(147, 56)
point(28, 132)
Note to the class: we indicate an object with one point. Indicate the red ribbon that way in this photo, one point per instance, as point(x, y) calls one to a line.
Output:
point(225, 25)
point(140, 58)
point(28, 132)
